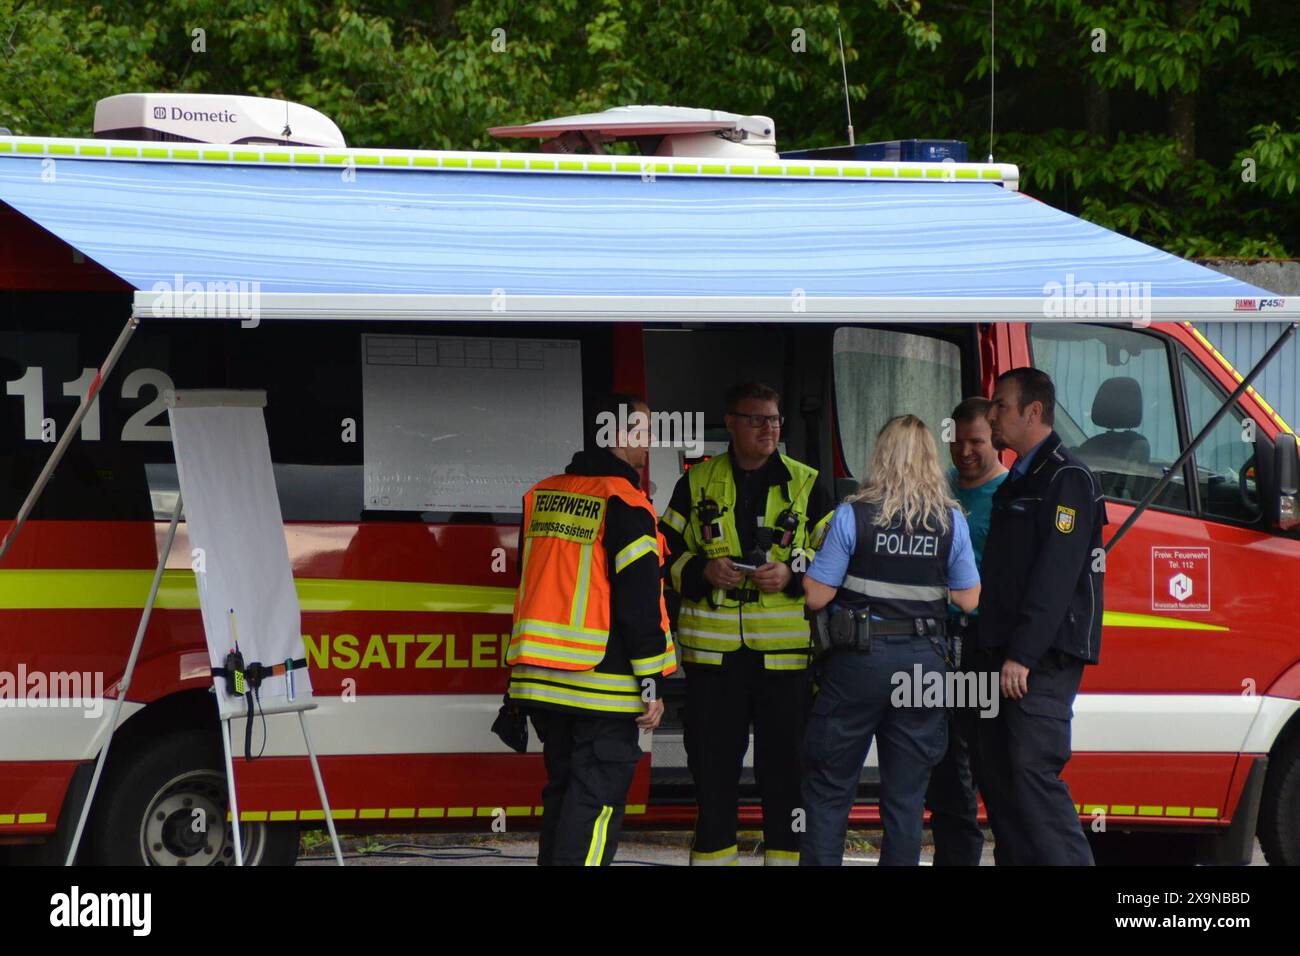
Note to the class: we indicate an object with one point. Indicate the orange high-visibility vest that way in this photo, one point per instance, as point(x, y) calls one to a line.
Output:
point(562, 608)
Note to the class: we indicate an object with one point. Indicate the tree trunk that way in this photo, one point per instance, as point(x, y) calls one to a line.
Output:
point(1182, 107)
point(1182, 125)
point(444, 12)
point(1097, 110)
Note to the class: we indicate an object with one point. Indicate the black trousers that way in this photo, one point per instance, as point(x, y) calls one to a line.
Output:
point(590, 762)
point(950, 798)
point(722, 703)
point(1018, 765)
point(856, 703)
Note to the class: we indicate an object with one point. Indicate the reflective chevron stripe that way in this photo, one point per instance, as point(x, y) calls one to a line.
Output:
point(637, 549)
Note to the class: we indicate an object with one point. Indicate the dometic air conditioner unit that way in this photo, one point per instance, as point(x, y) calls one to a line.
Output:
point(213, 118)
point(657, 131)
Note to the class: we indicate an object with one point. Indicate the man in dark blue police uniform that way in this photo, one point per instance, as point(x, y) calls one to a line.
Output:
point(1039, 624)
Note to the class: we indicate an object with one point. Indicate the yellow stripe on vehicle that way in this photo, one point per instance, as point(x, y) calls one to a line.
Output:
point(106, 589)
point(1156, 621)
point(35, 147)
point(367, 813)
point(1172, 811)
point(22, 819)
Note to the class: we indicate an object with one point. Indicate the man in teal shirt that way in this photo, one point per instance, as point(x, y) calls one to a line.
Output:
point(975, 476)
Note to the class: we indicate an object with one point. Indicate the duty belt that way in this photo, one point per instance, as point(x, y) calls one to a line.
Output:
point(855, 630)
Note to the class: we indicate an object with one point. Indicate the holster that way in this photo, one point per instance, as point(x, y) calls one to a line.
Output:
point(840, 630)
point(960, 627)
point(821, 631)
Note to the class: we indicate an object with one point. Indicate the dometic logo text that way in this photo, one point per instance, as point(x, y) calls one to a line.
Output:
point(200, 116)
point(417, 651)
point(75, 908)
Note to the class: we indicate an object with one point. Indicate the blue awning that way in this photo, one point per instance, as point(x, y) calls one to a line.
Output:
point(427, 243)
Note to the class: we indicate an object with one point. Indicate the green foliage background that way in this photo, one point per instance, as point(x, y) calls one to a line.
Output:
point(1151, 117)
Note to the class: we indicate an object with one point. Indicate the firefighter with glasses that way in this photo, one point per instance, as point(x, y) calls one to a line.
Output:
point(741, 527)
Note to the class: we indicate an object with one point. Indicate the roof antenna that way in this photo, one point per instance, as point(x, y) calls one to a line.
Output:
point(845, 72)
point(993, 66)
point(286, 132)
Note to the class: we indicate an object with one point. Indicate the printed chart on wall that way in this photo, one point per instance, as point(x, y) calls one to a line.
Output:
point(454, 423)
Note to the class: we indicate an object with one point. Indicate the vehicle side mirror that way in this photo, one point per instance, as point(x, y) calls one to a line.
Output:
point(1286, 471)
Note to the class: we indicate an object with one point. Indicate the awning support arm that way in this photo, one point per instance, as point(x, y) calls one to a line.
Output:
point(66, 438)
point(1181, 460)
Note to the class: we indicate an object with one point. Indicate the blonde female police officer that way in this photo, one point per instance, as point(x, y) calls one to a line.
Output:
point(895, 553)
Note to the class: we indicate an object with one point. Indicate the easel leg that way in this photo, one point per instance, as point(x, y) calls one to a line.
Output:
point(320, 788)
point(230, 784)
point(125, 683)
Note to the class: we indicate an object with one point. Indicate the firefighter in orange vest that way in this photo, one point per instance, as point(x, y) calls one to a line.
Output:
point(591, 636)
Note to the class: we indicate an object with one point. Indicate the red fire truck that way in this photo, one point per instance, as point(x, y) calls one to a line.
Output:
point(382, 281)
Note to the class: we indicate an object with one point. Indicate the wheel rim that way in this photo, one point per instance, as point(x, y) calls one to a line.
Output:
point(169, 837)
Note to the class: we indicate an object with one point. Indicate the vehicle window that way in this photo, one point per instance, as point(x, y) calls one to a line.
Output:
point(48, 356)
point(122, 467)
point(1114, 406)
point(880, 374)
point(1225, 461)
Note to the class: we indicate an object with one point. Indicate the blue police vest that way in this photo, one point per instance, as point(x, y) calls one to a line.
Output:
point(900, 574)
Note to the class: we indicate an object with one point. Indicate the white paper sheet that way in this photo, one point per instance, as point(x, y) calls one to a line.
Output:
point(232, 516)
point(453, 423)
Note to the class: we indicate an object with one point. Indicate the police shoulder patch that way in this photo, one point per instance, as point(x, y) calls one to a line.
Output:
point(1064, 519)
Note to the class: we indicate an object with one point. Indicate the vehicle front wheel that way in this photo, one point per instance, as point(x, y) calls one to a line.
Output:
point(165, 804)
point(1279, 809)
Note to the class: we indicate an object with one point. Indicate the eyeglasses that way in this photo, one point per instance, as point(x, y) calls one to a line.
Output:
point(758, 421)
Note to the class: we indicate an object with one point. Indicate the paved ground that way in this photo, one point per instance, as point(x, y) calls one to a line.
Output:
point(637, 849)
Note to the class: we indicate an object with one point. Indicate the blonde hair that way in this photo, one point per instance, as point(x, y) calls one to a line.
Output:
point(904, 480)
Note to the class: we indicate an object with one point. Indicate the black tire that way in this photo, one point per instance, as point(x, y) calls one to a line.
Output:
point(1142, 848)
point(1279, 809)
point(149, 799)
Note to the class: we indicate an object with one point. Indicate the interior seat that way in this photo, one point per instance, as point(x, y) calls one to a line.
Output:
point(1117, 408)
